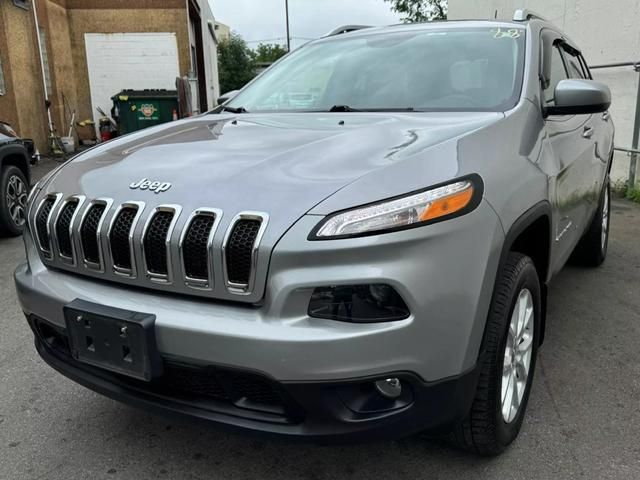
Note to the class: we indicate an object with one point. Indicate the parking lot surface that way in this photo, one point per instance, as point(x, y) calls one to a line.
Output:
point(583, 419)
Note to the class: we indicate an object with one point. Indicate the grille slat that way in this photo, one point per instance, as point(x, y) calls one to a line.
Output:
point(89, 233)
point(42, 220)
point(155, 243)
point(239, 250)
point(63, 233)
point(196, 243)
point(119, 238)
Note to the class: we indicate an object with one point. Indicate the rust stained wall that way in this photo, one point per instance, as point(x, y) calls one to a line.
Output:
point(7, 101)
point(124, 4)
point(63, 74)
point(83, 21)
point(24, 106)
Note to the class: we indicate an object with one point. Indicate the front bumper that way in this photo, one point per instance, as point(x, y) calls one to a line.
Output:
point(326, 412)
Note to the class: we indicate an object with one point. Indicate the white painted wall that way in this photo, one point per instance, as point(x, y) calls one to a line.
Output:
point(210, 54)
point(118, 61)
point(606, 31)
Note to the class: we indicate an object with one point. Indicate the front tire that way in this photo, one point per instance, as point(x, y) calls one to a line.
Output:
point(14, 191)
point(508, 361)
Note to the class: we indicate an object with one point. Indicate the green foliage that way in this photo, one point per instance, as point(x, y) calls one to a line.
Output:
point(236, 64)
point(633, 194)
point(621, 189)
point(420, 10)
point(269, 53)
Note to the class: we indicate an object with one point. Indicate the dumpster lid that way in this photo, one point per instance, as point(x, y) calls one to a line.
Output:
point(125, 95)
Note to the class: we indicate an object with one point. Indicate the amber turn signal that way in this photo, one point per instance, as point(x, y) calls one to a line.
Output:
point(448, 205)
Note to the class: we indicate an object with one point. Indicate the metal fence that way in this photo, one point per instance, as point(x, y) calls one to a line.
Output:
point(633, 151)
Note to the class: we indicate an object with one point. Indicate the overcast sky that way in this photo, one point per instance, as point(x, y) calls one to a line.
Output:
point(264, 20)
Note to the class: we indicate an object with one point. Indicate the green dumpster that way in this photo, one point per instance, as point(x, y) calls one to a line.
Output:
point(138, 109)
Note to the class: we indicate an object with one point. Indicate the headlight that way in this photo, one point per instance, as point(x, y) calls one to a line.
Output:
point(412, 210)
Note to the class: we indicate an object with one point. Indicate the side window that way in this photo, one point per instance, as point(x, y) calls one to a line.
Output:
point(557, 74)
point(573, 64)
point(585, 67)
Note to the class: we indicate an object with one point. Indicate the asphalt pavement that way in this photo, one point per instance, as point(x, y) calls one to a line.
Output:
point(583, 419)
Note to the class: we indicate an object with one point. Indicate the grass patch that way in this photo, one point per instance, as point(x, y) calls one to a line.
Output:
point(621, 189)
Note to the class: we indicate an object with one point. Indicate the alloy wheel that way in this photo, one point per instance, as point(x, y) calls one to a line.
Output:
point(16, 196)
point(517, 356)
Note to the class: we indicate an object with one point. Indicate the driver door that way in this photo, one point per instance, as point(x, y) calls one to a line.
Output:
point(572, 144)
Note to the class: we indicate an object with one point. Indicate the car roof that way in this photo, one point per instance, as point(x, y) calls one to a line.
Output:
point(534, 24)
point(431, 25)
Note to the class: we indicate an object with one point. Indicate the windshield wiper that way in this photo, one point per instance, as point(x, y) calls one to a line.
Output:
point(225, 108)
point(346, 108)
point(343, 108)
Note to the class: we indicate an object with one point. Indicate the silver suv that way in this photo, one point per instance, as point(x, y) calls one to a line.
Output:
point(371, 262)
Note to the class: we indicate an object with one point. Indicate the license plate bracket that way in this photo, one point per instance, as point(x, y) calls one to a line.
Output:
point(114, 339)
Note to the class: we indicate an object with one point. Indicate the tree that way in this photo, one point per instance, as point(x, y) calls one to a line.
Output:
point(269, 53)
point(236, 66)
point(420, 10)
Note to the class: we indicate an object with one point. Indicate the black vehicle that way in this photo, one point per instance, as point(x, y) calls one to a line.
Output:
point(16, 156)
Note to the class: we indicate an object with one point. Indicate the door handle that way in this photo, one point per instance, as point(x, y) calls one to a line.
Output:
point(606, 116)
point(587, 132)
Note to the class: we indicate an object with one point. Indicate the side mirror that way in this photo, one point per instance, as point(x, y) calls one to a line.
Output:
point(577, 96)
point(224, 98)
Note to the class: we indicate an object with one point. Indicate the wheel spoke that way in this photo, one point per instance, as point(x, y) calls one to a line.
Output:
point(515, 398)
point(526, 344)
point(523, 307)
point(507, 395)
point(522, 366)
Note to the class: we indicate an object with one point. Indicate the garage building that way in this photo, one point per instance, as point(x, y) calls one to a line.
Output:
point(84, 51)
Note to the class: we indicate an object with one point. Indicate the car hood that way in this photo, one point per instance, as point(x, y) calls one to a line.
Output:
point(281, 164)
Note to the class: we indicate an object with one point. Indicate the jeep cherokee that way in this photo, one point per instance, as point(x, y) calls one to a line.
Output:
point(357, 245)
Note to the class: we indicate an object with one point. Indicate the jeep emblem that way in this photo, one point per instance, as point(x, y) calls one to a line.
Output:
point(146, 184)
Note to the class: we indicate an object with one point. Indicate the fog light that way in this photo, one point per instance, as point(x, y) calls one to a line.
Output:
point(389, 387)
point(358, 303)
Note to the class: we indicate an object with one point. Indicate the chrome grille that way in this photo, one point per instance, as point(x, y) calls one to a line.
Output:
point(63, 229)
point(156, 243)
point(158, 247)
point(119, 238)
point(42, 225)
point(89, 234)
point(196, 247)
point(239, 250)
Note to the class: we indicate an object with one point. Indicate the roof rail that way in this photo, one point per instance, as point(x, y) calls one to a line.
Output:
point(524, 14)
point(346, 29)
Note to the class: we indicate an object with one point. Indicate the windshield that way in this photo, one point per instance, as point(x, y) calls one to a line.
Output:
point(454, 69)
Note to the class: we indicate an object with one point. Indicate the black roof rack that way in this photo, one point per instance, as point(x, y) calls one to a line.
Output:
point(524, 15)
point(346, 29)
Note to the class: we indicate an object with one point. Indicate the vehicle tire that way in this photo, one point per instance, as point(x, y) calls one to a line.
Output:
point(14, 191)
point(504, 384)
point(591, 251)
